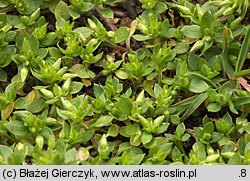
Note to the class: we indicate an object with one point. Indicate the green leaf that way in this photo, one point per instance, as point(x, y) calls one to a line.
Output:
point(3, 75)
point(180, 130)
point(36, 106)
point(121, 34)
point(197, 86)
point(106, 12)
point(10, 92)
point(21, 103)
point(160, 7)
point(75, 87)
point(87, 6)
point(192, 31)
point(202, 77)
point(87, 135)
point(124, 105)
point(243, 52)
point(5, 152)
point(3, 20)
point(121, 74)
point(181, 48)
point(247, 154)
point(17, 128)
point(131, 156)
point(4, 3)
point(140, 37)
point(207, 20)
point(70, 156)
point(196, 103)
point(3, 102)
point(208, 128)
point(62, 10)
point(84, 31)
point(113, 130)
point(214, 107)
point(146, 137)
point(159, 152)
point(102, 121)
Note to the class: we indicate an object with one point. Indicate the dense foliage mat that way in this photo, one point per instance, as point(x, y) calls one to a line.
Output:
point(124, 82)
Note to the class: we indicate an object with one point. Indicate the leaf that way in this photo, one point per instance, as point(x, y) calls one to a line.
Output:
point(121, 34)
point(87, 6)
point(3, 102)
point(10, 92)
point(208, 128)
point(62, 10)
point(226, 64)
point(4, 3)
point(192, 31)
point(106, 12)
point(197, 86)
point(124, 105)
point(202, 77)
point(3, 20)
point(84, 31)
point(131, 156)
point(207, 20)
point(244, 83)
point(75, 87)
point(243, 52)
point(247, 154)
point(3, 75)
point(140, 37)
point(181, 48)
point(5, 152)
point(7, 112)
point(70, 156)
point(113, 130)
point(36, 106)
point(196, 103)
point(146, 137)
point(214, 107)
point(160, 7)
point(180, 130)
point(17, 128)
point(102, 121)
point(160, 151)
point(73, 12)
point(121, 74)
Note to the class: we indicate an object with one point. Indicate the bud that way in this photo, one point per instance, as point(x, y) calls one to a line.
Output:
point(184, 9)
point(67, 104)
point(51, 142)
point(199, 11)
point(56, 65)
point(33, 129)
point(140, 97)
point(40, 141)
point(35, 15)
point(143, 28)
point(47, 93)
point(24, 73)
point(24, 20)
point(228, 11)
point(66, 85)
point(235, 23)
point(57, 90)
point(144, 121)
point(197, 45)
point(92, 25)
point(111, 34)
point(158, 120)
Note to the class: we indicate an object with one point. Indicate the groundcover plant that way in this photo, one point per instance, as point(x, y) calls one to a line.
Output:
point(124, 82)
